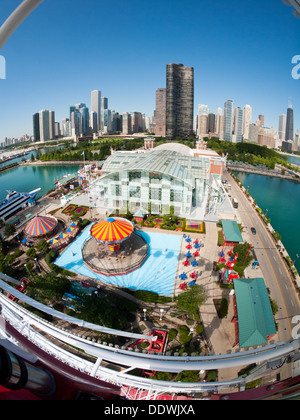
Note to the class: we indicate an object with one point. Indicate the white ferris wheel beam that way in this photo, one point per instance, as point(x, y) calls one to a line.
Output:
point(16, 18)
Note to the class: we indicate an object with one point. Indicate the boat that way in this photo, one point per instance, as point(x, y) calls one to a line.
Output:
point(15, 201)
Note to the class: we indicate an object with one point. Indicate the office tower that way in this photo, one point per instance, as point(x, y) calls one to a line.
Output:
point(44, 120)
point(202, 125)
point(104, 105)
point(126, 123)
point(247, 121)
point(238, 125)
point(261, 119)
point(96, 106)
point(211, 123)
point(180, 101)
point(65, 127)
point(282, 126)
point(57, 129)
point(228, 120)
point(75, 123)
point(52, 124)
point(94, 122)
point(161, 104)
point(253, 133)
point(36, 127)
point(289, 133)
point(85, 117)
point(203, 109)
point(219, 122)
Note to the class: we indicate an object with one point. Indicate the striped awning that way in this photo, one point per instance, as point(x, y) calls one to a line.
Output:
point(40, 225)
point(112, 231)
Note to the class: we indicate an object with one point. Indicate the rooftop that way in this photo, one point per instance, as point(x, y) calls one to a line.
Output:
point(255, 316)
point(231, 231)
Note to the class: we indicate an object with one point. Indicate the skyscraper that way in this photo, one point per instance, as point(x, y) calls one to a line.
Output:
point(44, 121)
point(282, 127)
point(180, 101)
point(238, 124)
point(228, 120)
point(104, 105)
point(247, 120)
point(289, 133)
point(96, 106)
point(36, 127)
point(160, 120)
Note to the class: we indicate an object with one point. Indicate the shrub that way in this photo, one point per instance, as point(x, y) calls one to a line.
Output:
point(172, 334)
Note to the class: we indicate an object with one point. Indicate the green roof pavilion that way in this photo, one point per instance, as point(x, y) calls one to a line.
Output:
point(231, 231)
point(255, 317)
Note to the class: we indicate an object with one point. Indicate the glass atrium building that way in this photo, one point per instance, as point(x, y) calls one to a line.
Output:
point(162, 181)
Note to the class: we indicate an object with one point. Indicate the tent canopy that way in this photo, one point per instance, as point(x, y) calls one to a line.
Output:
point(40, 226)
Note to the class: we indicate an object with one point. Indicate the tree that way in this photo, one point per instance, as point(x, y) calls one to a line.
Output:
point(190, 300)
point(9, 230)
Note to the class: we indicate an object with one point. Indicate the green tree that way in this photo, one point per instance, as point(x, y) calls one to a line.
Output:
point(190, 300)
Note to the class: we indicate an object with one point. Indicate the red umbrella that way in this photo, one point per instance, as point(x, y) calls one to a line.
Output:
point(196, 254)
point(189, 246)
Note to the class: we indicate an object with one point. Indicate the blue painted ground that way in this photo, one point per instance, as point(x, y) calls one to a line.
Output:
point(157, 274)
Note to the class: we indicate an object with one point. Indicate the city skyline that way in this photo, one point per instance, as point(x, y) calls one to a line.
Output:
point(52, 76)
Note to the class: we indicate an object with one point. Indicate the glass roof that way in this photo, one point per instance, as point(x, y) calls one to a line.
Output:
point(168, 162)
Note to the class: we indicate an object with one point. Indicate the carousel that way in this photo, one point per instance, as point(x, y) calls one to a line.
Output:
point(114, 248)
point(112, 232)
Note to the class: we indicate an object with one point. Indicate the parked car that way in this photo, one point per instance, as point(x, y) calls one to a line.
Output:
point(253, 230)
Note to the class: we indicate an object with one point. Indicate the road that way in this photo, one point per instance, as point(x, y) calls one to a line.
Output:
point(276, 275)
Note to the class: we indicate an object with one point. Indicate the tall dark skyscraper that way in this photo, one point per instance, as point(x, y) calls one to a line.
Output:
point(289, 133)
point(36, 127)
point(180, 101)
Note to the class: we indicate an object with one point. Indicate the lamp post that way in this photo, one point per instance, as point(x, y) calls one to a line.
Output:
point(161, 314)
point(145, 314)
point(297, 256)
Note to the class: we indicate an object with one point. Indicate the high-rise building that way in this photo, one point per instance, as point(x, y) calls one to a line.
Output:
point(180, 101)
point(126, 123)
point(211, 123)
point(247, 121)
point(228, 120)
point(96, 106)
point(85, 123)
point(219, 123)
point(238, 125)
point(52, 125)
point(289, 133)
point(161, 104)
point(282, 127)
point(36, 127)
point(44, 121)
point(104, 105)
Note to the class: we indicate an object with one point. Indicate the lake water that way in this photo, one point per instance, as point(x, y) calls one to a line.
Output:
point(282, 200)
point(29, 178)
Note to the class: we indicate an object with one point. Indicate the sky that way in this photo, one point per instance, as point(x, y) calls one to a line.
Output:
point(240, 50)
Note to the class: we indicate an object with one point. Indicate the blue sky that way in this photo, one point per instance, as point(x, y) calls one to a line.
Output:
point(240, 50)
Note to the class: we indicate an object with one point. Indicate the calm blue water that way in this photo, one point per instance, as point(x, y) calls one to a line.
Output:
point(282, 199)
point(157, 274)
point(29, 178)
point(294, 159)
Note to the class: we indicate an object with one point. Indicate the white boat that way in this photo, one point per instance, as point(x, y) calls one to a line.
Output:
point(15, 201)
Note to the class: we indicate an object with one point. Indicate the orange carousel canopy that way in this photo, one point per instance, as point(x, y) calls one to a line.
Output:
point(113, 230)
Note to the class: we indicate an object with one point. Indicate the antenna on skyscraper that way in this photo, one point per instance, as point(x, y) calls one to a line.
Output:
point(290, 104)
